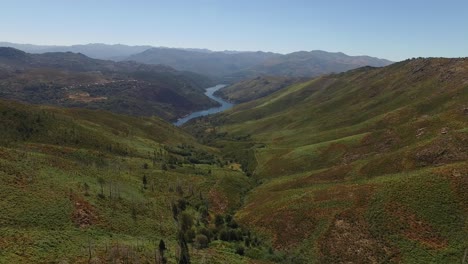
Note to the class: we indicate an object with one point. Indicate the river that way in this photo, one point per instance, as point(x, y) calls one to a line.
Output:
point(210, 93)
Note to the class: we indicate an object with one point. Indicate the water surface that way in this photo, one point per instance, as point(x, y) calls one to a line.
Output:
point(209, 92)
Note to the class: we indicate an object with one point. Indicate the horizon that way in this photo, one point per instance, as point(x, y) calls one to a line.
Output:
point(188, 48)
point(394, 31)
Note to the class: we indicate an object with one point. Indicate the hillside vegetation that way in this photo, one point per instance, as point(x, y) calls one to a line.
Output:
point(83, 186)
point(251, 89)
point(367, 166)
point(74, 80)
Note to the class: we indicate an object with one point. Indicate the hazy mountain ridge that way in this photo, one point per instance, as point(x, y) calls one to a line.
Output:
point(95, 50)
point(224, 66)
point(214, 64)
point(238, 66)
point(114, 52)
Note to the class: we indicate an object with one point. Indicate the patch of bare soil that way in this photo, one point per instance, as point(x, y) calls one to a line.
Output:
point(348, 240)
point(443, 150)
point(84, 214)
point(219, 201)
point(85, 97)
point(415, 228)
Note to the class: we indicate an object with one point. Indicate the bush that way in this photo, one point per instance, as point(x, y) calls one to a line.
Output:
point(219, 221)
point(204, 231)
point(240, 250)
point(190, 235)
point(224, 235)
point(201, 241)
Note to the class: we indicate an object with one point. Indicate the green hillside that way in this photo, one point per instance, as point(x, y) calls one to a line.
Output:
point(367, 166)
point(251, 89)
point(83, 186)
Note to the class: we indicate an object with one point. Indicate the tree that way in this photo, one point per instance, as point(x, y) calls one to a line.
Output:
point(162, 249)
point(101, 182)
point(184, 257)
point(86, 189)
point(219, 221)
point(186, 222)
point(145, 181)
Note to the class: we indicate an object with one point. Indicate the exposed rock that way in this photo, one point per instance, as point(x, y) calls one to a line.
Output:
point(421, 132)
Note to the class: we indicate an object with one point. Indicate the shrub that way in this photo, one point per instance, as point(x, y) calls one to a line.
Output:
point(201, 241)
point(240, 250)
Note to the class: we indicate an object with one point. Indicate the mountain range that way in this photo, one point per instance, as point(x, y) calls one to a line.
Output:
point(234, 67)
point(222, 66)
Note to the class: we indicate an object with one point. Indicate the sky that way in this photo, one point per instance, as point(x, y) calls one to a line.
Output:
point(391, 29)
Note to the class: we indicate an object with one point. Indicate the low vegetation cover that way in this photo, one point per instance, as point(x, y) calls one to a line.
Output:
point(84, 186)
point(367, 166)
point(258, 87)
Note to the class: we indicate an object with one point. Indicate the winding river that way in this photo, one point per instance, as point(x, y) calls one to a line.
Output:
point(210, 93)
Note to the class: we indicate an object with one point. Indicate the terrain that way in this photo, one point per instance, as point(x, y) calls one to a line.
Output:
point(367, 166)
point(364, 166)
point(232, 67)
point(222, 66)
point(87, 186)
point(96, 50)
point(255, 88)
point(74, 80)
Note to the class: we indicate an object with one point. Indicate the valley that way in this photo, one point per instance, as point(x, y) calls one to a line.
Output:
point(126, 162)
point(210, 92)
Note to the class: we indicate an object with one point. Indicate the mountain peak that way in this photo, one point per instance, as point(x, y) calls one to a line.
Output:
point(8, 52)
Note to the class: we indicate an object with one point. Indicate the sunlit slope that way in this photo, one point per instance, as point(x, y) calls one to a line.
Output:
point(82, 186)
point(367, 166)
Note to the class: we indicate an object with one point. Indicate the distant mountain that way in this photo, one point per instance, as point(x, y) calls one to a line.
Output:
point(74, 80)
point(315, 63)
point(224, 66)
point(214, 64)
point(96, 50)
point(231, 66)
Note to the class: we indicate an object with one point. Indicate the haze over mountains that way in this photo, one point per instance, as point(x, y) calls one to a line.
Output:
point(96, 50)
point(224, 66)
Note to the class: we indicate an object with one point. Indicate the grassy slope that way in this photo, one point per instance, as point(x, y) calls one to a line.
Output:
point(255, 88)
point(49, 157)
point(364, 166)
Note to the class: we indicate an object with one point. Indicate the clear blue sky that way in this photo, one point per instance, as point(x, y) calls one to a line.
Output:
point(392, 29)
